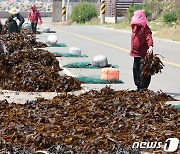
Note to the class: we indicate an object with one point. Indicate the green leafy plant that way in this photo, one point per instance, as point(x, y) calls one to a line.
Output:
point(170, 17)
point(178, 14)
point(83, 12)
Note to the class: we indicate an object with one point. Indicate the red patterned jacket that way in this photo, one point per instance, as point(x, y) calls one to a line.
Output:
point(141, 39)
point(34, 15)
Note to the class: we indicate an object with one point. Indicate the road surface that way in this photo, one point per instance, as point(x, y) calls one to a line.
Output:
point(115, 45)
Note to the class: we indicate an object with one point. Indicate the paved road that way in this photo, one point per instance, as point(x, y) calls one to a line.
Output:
point(115, 44)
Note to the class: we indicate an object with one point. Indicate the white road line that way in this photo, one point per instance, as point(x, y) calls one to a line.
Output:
point(66, 71)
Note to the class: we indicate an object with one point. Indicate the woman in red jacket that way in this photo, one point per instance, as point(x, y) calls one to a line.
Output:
point(141, 45)
point(33, 16)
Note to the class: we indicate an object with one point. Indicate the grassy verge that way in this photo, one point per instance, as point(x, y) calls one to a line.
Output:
point(119, 25)
point(125, 25)
point(162, 30)
point(94, 21)
point(171, 33)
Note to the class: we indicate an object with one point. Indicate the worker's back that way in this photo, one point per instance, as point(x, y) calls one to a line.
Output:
point(12, 27)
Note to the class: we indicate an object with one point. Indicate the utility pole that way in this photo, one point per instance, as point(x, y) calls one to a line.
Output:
point(102, 11)
point(63, 10)
point(144, 1)
point(56, 11)
point(67, 8)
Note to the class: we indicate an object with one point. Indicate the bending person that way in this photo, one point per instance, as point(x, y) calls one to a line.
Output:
point(16, 15)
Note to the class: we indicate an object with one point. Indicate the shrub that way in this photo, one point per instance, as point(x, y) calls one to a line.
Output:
point(133, 8)
point(83, 12)
point(170, 17)
point(155, 7)
point(178, 14)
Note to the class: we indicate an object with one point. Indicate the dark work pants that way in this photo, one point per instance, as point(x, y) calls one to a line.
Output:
point(34, 27)
point(0, 27)
point(140, 80)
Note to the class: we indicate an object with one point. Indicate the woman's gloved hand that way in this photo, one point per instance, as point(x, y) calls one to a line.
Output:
point(150, 50)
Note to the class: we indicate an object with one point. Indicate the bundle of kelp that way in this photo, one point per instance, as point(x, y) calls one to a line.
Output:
point(33, 70)
point(93, 122)
point(152, 64)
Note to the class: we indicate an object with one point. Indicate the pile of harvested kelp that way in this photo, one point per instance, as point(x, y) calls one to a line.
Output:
point(26, 69)
point(34, 70)
point(28, 31)
point(152, 64)
point(20, 41)
point(94, 122)
point(60, 149)
point(8, 149)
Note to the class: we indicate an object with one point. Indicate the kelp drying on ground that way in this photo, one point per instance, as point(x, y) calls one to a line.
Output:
point(29, 31)
point(30, 70)
point(19, 41)
point(34, 70)
point(94, 122)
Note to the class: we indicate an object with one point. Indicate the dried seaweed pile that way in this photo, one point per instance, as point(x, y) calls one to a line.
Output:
point(33, 70)
point(152, 64)
point(20, 41)
point(5, 27)
point(7, 149)
point(26, 69)
point(23, 30)
point(94, 122)
point(28, 31)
